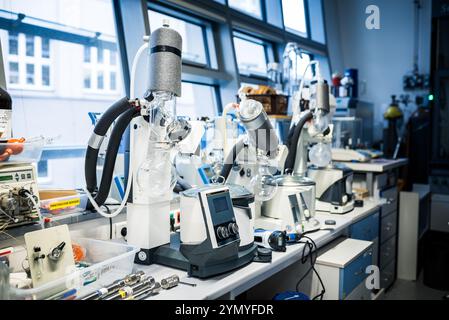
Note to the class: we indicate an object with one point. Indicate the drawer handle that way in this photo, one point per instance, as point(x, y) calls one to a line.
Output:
point(358, 273)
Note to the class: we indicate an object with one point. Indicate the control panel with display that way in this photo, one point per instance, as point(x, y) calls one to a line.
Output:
point(19, 197)
point(219, 215)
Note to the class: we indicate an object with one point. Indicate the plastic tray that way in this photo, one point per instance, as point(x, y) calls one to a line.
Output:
point(63, 205)
point(109, 261)
point(20, 152)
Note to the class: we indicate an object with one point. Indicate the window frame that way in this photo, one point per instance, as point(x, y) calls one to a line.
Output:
point(268, 53)
point(263, 16)
point(206, 29)
point(24, 60)
point(308, 32)
point(94, 68)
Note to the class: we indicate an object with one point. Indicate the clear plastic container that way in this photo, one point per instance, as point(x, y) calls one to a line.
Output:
point(63, 205)
point(108, 260)
point(20, 152)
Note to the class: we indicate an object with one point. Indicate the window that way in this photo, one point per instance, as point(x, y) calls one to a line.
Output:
point(112, 58)
point(45, 48)
point(36, 75)
point(252, 7)
point(87, 81)
point(29, 45)
point(13, 72)
point(13, 43)
point(251, 55)
point(317, 23)
point(87, 53)
point(100, 80)
point(113, 81)
point(100, 55)
point(30, 74)
point(193, 49)
point(46, 76)
point(96, 74)
point(294, 16)
point(29, 61)
point(197, 101)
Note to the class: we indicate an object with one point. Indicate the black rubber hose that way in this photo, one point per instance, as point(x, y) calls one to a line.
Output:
point(101, 128)
point(229, 161)
point(288, 141)
point(111, 155)
point(291, 157)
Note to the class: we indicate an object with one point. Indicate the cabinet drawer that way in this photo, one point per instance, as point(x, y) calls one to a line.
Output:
point(391, 195)
point(355, 273)
point(388, 226)
point(387, 252)
point(387, 275)
point(360, 293)
point(388, 208)
point(366, 229)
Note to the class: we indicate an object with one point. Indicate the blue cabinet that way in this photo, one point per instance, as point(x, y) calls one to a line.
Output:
point(355, 273)
point(366, 229)
point(343, 269)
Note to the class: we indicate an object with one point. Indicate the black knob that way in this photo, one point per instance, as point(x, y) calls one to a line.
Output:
point(222, 233)
point(124, 232)
point(233, 228)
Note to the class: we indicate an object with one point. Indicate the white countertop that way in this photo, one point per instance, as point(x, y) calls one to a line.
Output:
point(375, 165)
point(343, 253)
point(242, 279)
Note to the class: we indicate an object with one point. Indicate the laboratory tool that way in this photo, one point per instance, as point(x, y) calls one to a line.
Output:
point(293, 206)
point(155, 132)
point(129, 291)
point(115, 286)
point(56, 253)
point(19, 197)
point(252, 163)
point(145, 292)
point(274, 240)
point(173, 281)
point(188, 162)
point(210, 240)
point(264, 255)
point(333, 188)
point(47, 257)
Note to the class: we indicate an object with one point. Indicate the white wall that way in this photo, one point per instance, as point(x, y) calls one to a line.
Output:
point(382, 56)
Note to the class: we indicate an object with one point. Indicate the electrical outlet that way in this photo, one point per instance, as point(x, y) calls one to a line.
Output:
point(120, 230)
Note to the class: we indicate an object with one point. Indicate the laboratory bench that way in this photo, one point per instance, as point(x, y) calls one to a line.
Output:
point(235, 283)
point(244, 280)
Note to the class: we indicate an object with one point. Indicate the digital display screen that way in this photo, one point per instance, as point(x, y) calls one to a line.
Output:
point(5, 178)
point(220, 204)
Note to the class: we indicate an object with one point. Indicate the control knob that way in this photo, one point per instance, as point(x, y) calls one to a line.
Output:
point(233, 228)
point(222, 233)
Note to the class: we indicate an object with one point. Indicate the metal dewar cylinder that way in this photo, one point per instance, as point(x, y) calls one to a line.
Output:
point(259, 127)
point(165, 60)
point(322, 96)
